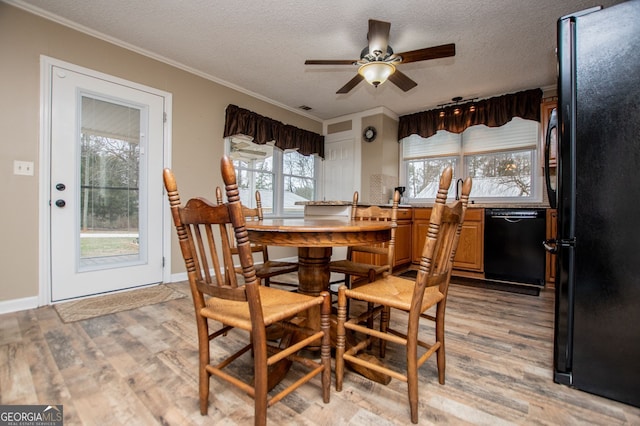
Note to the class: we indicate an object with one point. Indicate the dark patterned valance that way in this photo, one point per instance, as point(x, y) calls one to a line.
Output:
point(492, 112)
point(264, 129)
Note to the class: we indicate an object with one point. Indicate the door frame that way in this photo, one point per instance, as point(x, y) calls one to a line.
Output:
point(44, 232)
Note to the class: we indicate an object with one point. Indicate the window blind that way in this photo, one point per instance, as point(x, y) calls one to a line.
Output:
point(443, 143)
point(515, 135)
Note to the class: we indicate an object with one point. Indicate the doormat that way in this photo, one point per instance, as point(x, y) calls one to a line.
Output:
point(488, 284)
point(93, 307)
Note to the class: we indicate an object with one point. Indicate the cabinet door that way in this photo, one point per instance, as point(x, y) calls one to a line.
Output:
point(545, 112)
point(403, 244)
point(420, 226)
point(552, 232)
point(470, 253)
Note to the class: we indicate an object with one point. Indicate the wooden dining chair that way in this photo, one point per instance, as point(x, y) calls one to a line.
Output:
point(355, 270)
point(267, 269)
point(414, 298)
point(366, 263)
point(218, 298)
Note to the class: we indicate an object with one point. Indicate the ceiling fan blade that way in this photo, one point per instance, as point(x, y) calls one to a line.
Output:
point(401, 80)
point(435, 52)
point(378, 37)
point(330, 61)
point(351, 84)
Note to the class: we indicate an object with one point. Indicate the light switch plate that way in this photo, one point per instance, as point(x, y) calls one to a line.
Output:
point(23, 168)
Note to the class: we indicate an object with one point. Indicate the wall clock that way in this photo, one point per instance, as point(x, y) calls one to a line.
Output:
point(369, 134)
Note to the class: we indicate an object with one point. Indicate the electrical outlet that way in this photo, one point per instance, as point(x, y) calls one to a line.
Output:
point(23, 168)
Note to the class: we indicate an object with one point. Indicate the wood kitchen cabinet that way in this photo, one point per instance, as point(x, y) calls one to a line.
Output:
point(545, 112)
point(403, 238)
point(552, 232)
point(420, 226)
point(470, 253)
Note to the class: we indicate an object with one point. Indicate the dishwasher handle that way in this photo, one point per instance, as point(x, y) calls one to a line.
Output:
point(512, 219)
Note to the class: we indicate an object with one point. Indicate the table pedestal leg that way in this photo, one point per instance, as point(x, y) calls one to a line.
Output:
point(313, 270)
point(313, 274)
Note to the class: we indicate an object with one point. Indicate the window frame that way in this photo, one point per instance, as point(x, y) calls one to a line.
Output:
point(277, 171)
point(462, 164)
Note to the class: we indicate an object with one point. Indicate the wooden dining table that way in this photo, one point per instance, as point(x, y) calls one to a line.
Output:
point(315, 239)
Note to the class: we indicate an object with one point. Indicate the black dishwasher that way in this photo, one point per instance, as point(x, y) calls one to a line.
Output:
point(513, 250)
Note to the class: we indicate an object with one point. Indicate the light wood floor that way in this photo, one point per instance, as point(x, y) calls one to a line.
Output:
point(139, 368)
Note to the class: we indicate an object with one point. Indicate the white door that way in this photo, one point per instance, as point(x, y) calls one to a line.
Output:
point(340, 167)
point(106, 188)
point(341, 175)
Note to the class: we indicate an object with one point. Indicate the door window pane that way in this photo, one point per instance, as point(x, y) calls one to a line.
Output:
point(109, 182)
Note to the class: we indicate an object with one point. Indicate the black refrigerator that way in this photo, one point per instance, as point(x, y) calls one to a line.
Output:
point(597, 316)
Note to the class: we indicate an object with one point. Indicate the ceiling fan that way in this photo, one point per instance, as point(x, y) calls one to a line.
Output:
point(378, 61)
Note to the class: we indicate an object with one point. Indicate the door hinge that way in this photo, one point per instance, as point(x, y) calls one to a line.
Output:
point(163, 261)
point(164, 117)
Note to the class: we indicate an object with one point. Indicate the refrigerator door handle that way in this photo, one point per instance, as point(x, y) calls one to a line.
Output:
point(551, 245)
point(566, 242)
point(553, 124)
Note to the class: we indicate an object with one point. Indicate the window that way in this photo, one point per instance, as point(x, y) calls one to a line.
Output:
point(299, 180)
point(282, 177)
point(501, 161)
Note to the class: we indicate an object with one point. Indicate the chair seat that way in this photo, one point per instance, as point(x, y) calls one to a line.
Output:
point(272, 268)
point(354, 268)
point(395, 292)
point(276, 305)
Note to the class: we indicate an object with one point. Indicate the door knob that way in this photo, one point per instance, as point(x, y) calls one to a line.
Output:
point(61, 187)
point(60, 203)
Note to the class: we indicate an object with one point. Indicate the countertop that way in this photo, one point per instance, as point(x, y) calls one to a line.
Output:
point(494, 205)
point(323, 203)
point(426, 205)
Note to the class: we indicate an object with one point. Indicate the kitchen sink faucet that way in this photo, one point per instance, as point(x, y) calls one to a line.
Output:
point(459, 183)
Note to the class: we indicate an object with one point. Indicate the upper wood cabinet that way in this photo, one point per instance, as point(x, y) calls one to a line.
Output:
point(545, 112)
point(470, 253)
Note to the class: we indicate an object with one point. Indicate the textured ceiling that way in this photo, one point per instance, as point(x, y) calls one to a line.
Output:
point(260, 46)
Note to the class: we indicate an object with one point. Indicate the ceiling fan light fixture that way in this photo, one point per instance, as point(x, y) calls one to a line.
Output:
point(376, 72)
